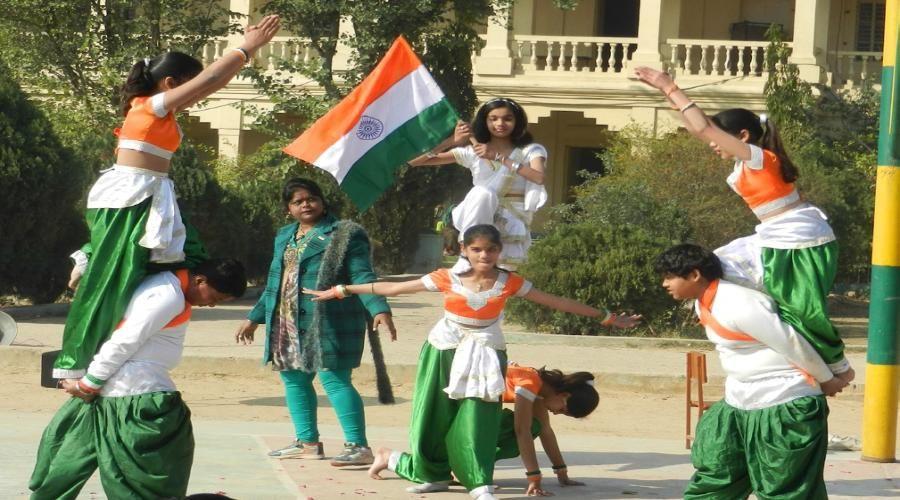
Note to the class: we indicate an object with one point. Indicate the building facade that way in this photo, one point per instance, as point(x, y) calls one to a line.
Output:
point(571, 70)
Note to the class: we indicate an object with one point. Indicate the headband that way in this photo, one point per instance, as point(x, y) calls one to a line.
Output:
point(147, 62)
point(504, 100)
point(590, 382)
point(763, 118)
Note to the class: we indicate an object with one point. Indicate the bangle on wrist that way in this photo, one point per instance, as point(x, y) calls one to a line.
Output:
point(430, 154)
point(558, 468)
point(533, 473)
point(687, 106)
point(338, 294)
point(670, 90)
point(243, 53)
point(608, 319)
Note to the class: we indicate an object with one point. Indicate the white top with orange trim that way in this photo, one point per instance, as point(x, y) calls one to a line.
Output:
point(148, 127)
point(766, 361)
point(471, 325)
point(147, 343)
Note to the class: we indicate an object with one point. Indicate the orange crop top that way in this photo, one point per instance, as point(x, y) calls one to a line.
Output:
point(475, 308)
point(522, 381)
point(759, 182)
point(148, 127)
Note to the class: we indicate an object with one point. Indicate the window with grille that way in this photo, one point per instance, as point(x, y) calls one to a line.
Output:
point(870, 27)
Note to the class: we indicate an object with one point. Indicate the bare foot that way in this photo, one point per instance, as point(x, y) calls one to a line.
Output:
point(381, 462)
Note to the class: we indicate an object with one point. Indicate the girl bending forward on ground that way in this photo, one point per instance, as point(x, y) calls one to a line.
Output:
point(793, 255)
point(460, 375)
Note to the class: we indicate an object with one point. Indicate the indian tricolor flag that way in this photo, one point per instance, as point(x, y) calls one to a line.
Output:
point(395, 114)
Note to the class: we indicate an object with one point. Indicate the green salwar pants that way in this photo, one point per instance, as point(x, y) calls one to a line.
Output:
point(116, 267)
point(507, 442)
point(776, 452)
point(448, 434)
point(799, 281)
point(143, 446)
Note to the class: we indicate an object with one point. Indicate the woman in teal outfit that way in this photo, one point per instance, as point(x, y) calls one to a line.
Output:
point(304, 338)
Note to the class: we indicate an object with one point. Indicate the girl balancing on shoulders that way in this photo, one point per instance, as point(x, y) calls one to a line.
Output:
point(507, 175)
point(132, 213)
point(793, 255)
point(460, 374)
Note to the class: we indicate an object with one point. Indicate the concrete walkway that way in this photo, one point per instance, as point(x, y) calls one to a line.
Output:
point(220, 378)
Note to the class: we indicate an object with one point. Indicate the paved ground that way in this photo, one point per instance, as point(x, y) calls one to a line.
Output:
point(632, 447)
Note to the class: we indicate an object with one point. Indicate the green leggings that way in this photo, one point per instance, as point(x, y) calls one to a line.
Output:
point(302, 404)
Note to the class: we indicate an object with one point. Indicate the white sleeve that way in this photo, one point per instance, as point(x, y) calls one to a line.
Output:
point(79, 260)
point(148, 313)
point(524, 289)
point(756, 158)
point(429, 283)
point(158, 104)
point(759, 319)
point(465, 156)
point(534, 150)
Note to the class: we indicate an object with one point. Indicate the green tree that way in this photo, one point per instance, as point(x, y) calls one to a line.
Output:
point(832, 137)
point(41, 187)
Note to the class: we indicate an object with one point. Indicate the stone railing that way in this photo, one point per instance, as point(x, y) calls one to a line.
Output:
point(853, 68)
point(538, 53)
point(297, 50)
point(716, 57)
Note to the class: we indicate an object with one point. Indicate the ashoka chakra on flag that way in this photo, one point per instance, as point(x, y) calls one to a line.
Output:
point(396, 113)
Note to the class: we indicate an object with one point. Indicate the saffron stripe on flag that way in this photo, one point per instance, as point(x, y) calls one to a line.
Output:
point(408, 97)
point(374, 172)
point(399, 62)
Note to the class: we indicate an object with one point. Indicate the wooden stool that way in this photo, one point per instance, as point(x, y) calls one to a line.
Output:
point(696, 371)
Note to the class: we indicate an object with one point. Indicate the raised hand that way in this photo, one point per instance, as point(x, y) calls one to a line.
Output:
point(260, 34)
point(625, 321)
point(654, 78)
point(462, 132)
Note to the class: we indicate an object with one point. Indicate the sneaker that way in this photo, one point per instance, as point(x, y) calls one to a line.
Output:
point(299, 449)
point(354, 454)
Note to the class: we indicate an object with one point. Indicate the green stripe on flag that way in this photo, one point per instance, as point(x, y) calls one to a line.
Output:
point(884, 316)
point(373, 173)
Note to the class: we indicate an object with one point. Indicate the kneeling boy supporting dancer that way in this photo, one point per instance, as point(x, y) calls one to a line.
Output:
point(769, 435)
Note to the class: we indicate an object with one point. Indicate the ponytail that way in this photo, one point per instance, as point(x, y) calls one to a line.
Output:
point(762, 133)
point(772, 141)
point(139, 82)
point(583, 397)
point(146, 74)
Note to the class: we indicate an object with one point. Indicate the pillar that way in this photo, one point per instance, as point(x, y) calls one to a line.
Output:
point(496, 57)
point(658, 21)
point(810, 45)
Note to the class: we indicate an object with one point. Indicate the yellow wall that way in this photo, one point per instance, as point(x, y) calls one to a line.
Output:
point(563, 129)
point(550, 20)
point(712, 19)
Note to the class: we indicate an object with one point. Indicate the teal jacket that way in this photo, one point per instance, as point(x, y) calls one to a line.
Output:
point(342, 323)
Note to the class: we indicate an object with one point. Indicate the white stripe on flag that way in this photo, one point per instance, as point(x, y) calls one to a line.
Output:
point(405, 99)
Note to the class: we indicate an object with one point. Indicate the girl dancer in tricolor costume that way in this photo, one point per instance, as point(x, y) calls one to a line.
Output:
point(507, 173)
point(460, 376)
point(793, 255)
point(131, 210)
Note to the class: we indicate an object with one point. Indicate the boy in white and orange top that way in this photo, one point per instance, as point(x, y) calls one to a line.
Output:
point(126, 416)
point(793, 255)
point(769, 435)
point(459, 376)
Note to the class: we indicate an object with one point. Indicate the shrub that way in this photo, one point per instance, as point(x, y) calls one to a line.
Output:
point(41, 187)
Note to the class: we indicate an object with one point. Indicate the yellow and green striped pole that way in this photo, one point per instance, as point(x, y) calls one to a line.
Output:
point(882, 359)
